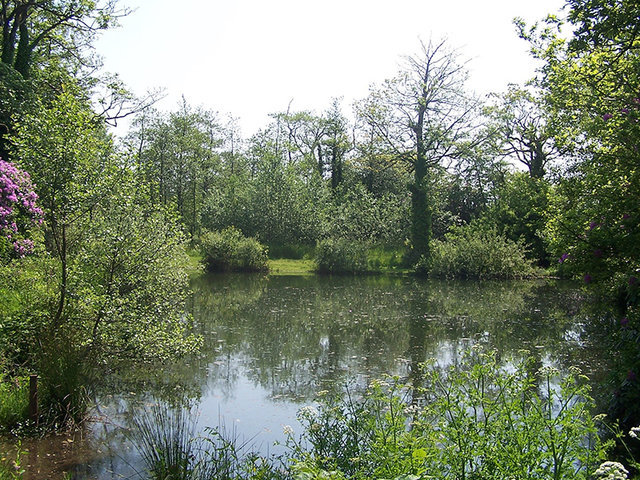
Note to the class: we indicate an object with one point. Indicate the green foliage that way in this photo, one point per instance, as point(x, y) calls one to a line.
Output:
point(341, 256)
point(65, 374)
point(519, 213)
point(12, 470)
point(591, 85)
point(475, 420)
point(28, 294)
point(14, 401)
point(385, 258)
point(130, 275)
point(357, 214)
point(473, 252)
point(229, 250)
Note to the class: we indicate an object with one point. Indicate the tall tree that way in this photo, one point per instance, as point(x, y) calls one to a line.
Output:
point(423, 114)
point(40, 30)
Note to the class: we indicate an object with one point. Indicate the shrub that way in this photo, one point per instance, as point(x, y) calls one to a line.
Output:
point(470, 252)
point(230, 250)
point(475, 420)
point(380, 258)
point(341, 256)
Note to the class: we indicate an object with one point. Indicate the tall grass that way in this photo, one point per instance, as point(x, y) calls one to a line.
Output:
point(167, 441)
point(164, 438)
point(14, 401)
point(12, 469)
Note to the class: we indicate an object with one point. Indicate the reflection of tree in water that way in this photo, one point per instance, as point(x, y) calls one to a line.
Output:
point(296, 335)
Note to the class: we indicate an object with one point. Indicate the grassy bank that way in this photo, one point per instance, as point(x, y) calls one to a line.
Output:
point(288, 266)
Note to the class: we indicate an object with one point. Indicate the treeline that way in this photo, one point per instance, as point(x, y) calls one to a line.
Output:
point(308, 177)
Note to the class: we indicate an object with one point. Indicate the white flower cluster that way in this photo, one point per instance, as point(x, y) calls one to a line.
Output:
point(635, 432)
point(287, 430)
point(308, 411)
point(611, 471)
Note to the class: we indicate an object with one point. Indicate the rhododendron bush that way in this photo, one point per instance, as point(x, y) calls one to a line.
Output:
point(19, 212)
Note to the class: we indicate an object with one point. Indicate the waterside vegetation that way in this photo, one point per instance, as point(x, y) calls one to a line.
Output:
point(94, 232)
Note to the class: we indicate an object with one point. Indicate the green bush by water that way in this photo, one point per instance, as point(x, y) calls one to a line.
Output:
point(477, 420)
point(471, 252)
point(230, 250)
point(341, 256)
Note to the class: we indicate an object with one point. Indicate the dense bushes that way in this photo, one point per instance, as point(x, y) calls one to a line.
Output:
point(470, 252)
point(341, 256)
point(230, 250)
point(474, 420)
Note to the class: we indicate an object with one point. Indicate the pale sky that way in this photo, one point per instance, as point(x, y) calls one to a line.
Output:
point(249, 58)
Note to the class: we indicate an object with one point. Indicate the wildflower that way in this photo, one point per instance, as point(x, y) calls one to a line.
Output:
point(634, 432)
point(606, 116)
point(624, 111)
point(563, 258)
point(308, 411)
point(611, 471)
point(287, 429)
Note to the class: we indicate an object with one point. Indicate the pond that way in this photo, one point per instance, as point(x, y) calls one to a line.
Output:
point(271, 343)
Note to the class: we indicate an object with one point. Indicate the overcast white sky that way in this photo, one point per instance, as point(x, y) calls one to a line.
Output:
point(250, 58)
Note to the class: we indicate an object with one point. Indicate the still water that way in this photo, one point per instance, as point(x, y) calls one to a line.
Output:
point(271, 343)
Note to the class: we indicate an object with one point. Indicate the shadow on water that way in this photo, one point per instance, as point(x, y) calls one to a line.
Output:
point(271, 343)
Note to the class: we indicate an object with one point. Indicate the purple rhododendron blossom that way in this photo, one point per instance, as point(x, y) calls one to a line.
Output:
point(563, 258)
point(18, 209)
point(606, 116)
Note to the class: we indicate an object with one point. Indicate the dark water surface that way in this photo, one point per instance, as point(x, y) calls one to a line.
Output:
point(271, 343)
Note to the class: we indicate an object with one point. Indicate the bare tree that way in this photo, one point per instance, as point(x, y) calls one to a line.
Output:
point(423, 114)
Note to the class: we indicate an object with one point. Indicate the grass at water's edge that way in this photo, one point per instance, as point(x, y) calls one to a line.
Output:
point(287, 266)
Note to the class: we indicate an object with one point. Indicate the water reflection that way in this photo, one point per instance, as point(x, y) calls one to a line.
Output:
point(271, 343)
